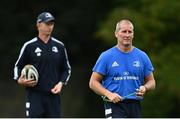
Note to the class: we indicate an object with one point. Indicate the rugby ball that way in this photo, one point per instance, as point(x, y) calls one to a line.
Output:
point(30, 72)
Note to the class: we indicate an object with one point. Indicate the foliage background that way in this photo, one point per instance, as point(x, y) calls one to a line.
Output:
point(87, 28)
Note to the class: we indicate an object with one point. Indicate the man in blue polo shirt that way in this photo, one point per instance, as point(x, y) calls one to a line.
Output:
point(48, 55)
point(126, 74)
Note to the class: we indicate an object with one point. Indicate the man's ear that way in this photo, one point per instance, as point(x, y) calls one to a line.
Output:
point(116, 34)
point(37, 25)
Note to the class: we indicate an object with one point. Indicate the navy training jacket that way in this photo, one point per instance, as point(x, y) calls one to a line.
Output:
point(50, 60)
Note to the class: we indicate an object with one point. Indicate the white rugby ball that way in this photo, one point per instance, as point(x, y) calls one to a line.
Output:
point(30, 72)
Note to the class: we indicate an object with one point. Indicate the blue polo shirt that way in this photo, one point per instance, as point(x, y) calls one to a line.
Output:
point(123, 72)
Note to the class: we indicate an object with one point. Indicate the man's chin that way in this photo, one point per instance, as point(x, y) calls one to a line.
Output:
point(127, 45)
point(48, 33)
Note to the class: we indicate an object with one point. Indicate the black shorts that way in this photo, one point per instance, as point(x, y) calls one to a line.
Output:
point(39, 105)
point(124, 109)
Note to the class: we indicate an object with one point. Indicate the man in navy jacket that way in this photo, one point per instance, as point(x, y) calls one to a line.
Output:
point(48, 55)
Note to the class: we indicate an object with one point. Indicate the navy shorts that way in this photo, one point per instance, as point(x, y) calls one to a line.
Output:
point(39, 105)
point(123, 109)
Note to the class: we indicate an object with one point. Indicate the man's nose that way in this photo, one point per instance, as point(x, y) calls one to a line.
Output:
point(127, 34)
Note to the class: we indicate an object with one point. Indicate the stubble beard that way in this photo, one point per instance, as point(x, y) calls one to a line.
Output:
point(126, 45)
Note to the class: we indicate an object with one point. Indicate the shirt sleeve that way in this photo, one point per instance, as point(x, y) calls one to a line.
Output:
point(20, 63)
point(66, 69)
point(101, 65)
point(148, 69)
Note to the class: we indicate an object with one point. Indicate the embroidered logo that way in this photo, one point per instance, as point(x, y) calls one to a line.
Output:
point(38, 51)
point(48, 15)
point(115, 64)
point(136, 64)
point(125, 73)
point(54, 49)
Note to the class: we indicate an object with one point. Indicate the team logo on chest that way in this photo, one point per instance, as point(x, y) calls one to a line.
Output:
point(136, 64)
point(38, 51)
point(54, 49)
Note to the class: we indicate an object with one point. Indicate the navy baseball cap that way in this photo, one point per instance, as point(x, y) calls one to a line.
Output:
point(45, 17)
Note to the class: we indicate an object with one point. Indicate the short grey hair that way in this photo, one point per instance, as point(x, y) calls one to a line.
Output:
point(118, 25)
